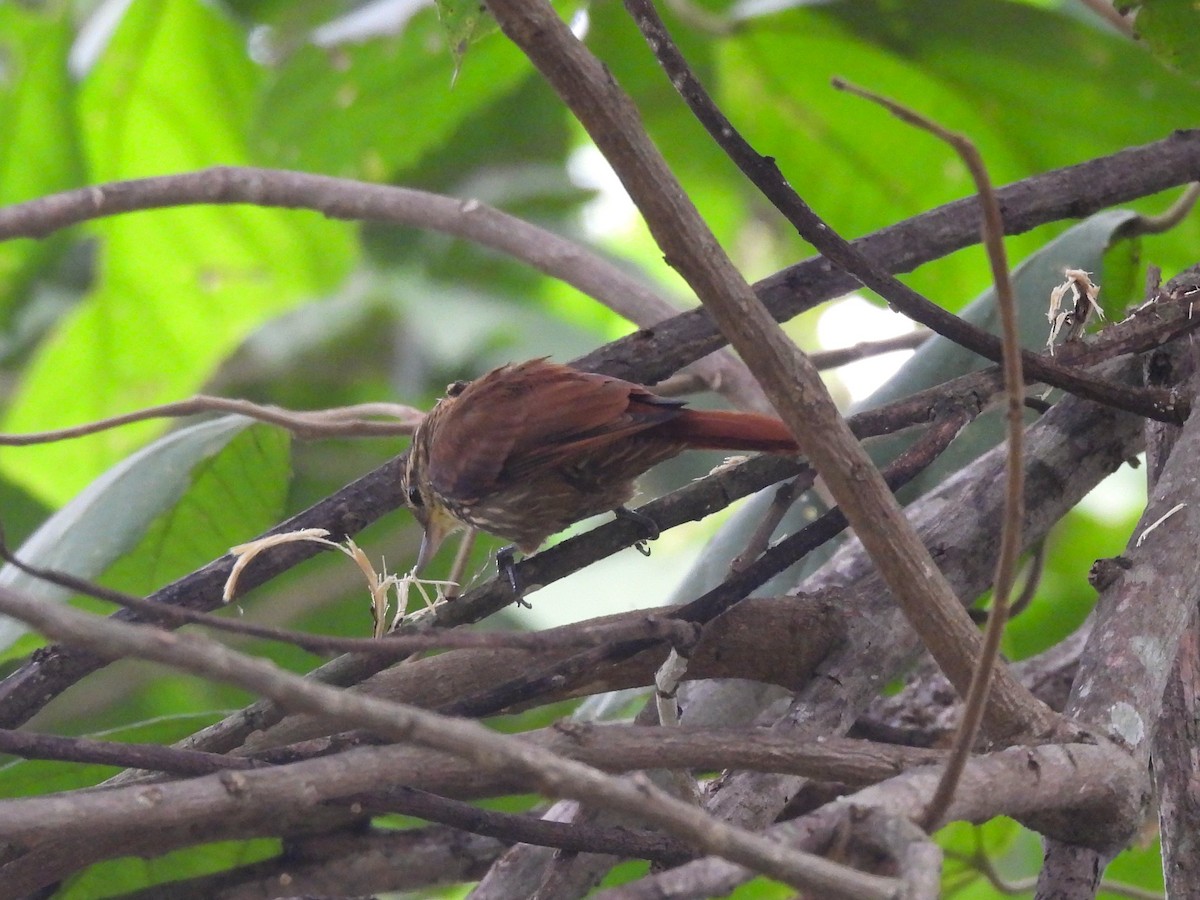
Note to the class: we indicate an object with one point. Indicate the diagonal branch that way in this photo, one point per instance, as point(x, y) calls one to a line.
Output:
point(765, 175)
point(542, 769)
point(657, 351)
point(791, 382)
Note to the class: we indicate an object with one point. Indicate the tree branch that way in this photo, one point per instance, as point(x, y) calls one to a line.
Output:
point(487, 749)
point(789, 379)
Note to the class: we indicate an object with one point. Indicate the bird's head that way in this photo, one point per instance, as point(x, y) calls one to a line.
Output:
point(427, 508)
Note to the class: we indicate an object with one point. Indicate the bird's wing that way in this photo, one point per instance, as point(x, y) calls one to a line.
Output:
point(532, 414)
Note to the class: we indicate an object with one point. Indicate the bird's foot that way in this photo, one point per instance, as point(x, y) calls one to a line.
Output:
point(506, 565)
point(649, 527)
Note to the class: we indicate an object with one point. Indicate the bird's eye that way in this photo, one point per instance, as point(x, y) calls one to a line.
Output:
point(454, 388)
point(414, 498)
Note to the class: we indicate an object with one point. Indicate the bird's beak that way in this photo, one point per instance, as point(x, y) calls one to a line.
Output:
point(437, 529)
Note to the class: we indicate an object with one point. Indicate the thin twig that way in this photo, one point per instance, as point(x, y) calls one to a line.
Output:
point(719, 599)
point(636, 843)
point(785, 495)
point(832, 359)
point(346, 421)
point(1072, 192)
point(52, 670)
point(152, 757)
point(395, 646)
point(646, 356)
point(976, 699)
point(1167, 219)
point(462, 558)
point(1033, 579)
point(1029, 588)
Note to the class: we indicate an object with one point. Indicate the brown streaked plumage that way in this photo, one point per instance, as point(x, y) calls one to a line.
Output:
point(529, 448)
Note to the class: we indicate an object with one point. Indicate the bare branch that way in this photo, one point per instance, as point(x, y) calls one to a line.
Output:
point(486, 748)
point(360, 503)
point(1147, 603)
point(1074, 191)
point(959, 518)
point(1016, 782)
point(1169, 218)
point(152, 757)
point(719, 599)
point(832, 359)
point(396, 646)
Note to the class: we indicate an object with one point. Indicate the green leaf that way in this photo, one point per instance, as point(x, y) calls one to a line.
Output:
point(1170, 28)
point(178, 289)
point(1140, 865)
point(1012, 72)
point(371, 110)
point(1082, 247)
point(464, 22)
point(816, 134)
point(1123, 286)
point(119, 876)
point(1064, 598)
point(165, 510)
point(762, 889)
point(39, 144)
point(234, 495)
point(994, 71)
point(998, 839)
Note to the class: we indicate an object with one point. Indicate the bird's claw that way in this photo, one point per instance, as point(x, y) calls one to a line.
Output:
point(506, 565)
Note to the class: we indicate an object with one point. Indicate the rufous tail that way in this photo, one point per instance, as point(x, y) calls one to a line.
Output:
point(717, 430)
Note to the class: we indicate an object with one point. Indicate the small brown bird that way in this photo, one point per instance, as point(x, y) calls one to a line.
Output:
point(529, 448)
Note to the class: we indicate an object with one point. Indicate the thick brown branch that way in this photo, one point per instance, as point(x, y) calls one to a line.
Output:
point(792, 384)
point(1071, 448)
point(1017, 782)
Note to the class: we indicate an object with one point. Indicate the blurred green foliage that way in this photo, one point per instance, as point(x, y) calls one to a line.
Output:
point(1168, 27)
point(291, 308)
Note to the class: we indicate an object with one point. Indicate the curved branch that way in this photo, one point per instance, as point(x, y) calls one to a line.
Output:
point(344, 198)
